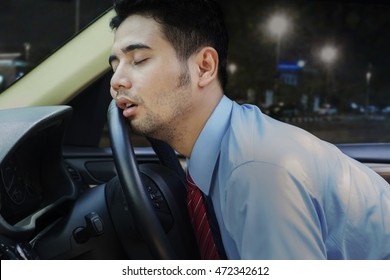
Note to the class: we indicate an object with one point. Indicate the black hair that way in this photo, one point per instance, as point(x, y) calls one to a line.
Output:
point(188, 25)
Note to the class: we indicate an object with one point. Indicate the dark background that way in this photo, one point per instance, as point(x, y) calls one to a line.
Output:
point(45, 24)
point(359, 30)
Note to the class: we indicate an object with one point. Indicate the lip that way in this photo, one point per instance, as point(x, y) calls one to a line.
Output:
point(122, 102)
point(128, 112)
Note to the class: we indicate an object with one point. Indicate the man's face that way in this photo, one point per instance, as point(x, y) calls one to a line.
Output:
point(149, 83)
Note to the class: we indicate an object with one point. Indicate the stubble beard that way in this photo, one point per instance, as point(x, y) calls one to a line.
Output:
point(161, 127)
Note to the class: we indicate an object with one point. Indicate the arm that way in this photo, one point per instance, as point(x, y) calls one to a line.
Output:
point(270, 215)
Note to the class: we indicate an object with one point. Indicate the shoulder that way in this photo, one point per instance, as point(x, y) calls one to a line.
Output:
point(254, 136)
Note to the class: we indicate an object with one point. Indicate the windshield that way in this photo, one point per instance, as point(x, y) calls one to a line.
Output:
point(31, 30)
point(319, 65)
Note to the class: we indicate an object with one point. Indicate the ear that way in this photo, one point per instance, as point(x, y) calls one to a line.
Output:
point(207, 61)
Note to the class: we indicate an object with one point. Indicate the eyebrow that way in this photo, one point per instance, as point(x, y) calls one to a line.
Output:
point(128, 49)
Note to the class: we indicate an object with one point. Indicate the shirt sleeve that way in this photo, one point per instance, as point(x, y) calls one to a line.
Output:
point(270, 214)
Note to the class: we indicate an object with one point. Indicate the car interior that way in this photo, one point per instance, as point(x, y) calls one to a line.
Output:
point(76, 184)
point(61, 198)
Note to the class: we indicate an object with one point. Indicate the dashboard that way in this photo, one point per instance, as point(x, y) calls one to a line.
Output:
point(33, 178)
point(21, 187)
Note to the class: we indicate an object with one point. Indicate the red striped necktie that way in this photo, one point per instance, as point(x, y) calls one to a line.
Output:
point(200, 223)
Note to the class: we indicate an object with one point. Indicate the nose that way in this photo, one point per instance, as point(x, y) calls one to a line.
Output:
point(120, 80)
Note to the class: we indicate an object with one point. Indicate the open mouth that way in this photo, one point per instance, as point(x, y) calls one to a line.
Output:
point(129, 109)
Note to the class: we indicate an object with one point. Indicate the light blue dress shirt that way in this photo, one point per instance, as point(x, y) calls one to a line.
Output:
point(281, 193)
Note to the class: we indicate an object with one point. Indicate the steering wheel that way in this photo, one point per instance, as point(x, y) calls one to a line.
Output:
point(129, 175)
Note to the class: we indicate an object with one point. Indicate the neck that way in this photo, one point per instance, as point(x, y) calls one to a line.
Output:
point(202, 108)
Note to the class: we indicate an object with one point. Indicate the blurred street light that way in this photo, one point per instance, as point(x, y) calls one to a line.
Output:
point(301, 63)
point(27, 50)
point(368, 80)
point(232, 68)
point(278, 25)
point(368, 77)
point(328, 55)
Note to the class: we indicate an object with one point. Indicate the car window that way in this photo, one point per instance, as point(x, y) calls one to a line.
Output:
point(319, 65)
point(31, 30)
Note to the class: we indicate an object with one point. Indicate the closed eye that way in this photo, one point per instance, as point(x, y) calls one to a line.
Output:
point(138, 62)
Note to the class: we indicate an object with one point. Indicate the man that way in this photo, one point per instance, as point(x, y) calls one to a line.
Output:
point(277, 191)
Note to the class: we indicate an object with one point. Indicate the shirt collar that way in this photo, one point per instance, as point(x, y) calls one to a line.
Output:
point(206, 149)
